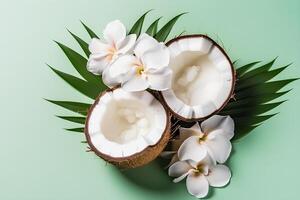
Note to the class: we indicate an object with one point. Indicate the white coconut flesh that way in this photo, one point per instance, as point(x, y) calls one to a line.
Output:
point(124, 123)
point(202, 77)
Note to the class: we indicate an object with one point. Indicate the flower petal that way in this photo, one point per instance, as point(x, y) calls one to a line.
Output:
point(218, 147)
point(207, 161)
point(197, 185)
point(97, 64)
point(191, 149)
point(114, 32)
point(167, 154)
point(194, 130)
point(156, 58)
point(219, 176)
point(173, 160)
point(160, 80)
point(225, 123)
point(180, 178)
point(119, 71)
point(97, 46)
point(184, 133)
point(144, 43)
point(122, 65)
point(110, 81)
point(179, 168)
point(136, 83)
point(127, 44)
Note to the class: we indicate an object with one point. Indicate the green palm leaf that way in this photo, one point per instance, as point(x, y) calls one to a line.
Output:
point(250, 101)
point(91, 86)
point(79, 63)
point(164, 32)
point(241, 70)
point(75, 119)
point(86, 88)
point(254, 109)
point(152, 29)
point(138, 25)
point(260, 78)
point(253, 93)
point(77, 130)
point(77, 107)
point(257, 70)
point(263, 89)
point(91, 33)
point(253, 120)
point(84, 46)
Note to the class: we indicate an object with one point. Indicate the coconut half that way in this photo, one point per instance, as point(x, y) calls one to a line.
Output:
point(127, 129)
point(203, 78)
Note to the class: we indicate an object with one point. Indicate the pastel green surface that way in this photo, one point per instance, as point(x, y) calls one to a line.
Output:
point(41, 161)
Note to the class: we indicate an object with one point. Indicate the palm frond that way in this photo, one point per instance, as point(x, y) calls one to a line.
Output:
point(254, 100)
point(152, 29)
point(259, 78)
point(77, 107)
point(164, 32)
point(241, 70)
point(76, 130)
point(84, 87)
point(84, 46)
point(91, 86)
point(254, 109)
point(91, 33)
point(75, 119)
point(79, 63)
point(138, 25)
point(254, 91)
point(257, 70)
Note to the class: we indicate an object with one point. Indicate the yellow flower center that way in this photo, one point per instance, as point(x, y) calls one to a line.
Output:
point(199, 170)
point(140, 70)
point(203, 138)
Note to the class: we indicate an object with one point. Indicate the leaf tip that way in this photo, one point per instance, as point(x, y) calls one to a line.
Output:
point(82, 22)
point(56, 41)
point(46, 99)
point(273, 61)
point(150, 10)
point(183, 13)
point(69, 31)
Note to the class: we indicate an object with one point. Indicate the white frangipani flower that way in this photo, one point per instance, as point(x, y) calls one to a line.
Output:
point(147, 68)
point(200, 175)
point(175, 145)
point(213, 139)
point(115, 44)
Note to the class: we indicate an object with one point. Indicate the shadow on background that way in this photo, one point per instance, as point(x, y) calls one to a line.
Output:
point(153, 176)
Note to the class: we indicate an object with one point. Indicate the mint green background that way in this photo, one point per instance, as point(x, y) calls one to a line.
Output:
point(41, 161)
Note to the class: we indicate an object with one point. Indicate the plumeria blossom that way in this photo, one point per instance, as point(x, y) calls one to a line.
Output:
point(115, 44)
point(200, 175)
point(147, 68)
point(212, 138)
point(175, 145)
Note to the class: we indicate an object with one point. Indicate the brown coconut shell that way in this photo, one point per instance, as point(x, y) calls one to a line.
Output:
point(138, 159)
point(232, 86)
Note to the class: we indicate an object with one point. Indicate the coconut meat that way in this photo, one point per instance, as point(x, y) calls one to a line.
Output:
point(124, 123)
point(202, 77)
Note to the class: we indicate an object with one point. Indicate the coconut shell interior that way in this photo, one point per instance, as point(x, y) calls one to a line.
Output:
point(137, 159)
point(190, 50)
